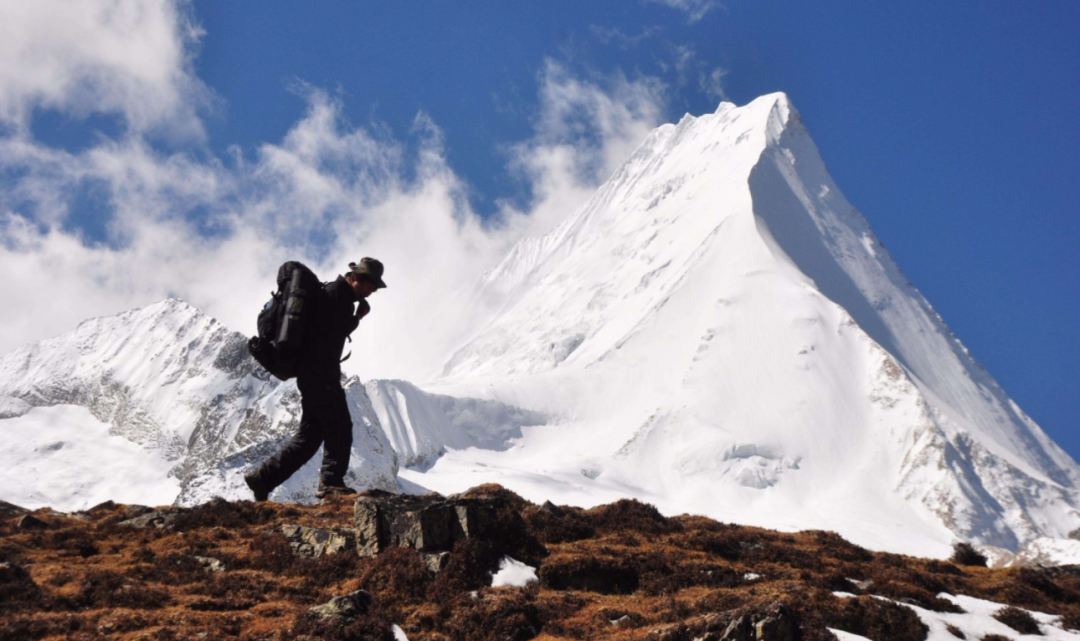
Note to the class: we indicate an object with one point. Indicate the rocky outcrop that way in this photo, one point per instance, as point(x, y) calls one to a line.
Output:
point(429, 523)
point(314, 542)
point(343, 609)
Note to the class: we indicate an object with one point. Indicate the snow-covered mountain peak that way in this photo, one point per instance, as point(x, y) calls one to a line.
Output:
point(724, 333)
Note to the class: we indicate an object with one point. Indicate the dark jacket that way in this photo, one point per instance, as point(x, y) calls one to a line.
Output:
point(332, 320)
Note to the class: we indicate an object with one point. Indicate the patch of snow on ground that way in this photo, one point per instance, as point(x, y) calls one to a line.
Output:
point(846, 636)
point(399, 634)
point(64, 458)
point(513, 572)
point(976, 621)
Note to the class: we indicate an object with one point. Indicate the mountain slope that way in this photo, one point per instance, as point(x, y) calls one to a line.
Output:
point(722, 333)
point(181, 385)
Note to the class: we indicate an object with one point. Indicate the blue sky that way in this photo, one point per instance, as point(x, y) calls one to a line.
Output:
point(950, 125)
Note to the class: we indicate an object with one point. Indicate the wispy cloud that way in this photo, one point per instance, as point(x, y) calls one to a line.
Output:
point(213, 230)
point(712, 83)
point(695, 9)
point(613, 35)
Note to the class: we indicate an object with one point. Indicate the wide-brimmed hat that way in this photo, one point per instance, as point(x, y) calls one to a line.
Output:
point(370, 269)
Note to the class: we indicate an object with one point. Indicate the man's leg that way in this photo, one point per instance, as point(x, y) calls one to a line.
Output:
point(337, 442)
point(303, 445)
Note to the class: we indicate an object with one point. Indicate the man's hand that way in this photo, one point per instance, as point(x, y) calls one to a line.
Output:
point(363, 308)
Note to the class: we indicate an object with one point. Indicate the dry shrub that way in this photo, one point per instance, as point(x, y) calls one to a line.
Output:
point(64, 626)
point(631, 515)
point(270, 552)
point(995, 637)
point(241, 586)
point(1071, 620)
point(1019, 620)
point(833, 545)
point(469, 567)
point(106, 589)
point(500, 615)
point(866, 616)
point(324, 572)
point(939, 567)
point(661, 572)
point(17, 588)
point(227, 514)
point(372, 626)
point(589, 573)
point(173, 569)
point(222, 605)
point(1043, 580)
point(728, 543)
point(497, 492)
point(70, 540)
point(560, 525)
point(396, 576)
point(966, 554)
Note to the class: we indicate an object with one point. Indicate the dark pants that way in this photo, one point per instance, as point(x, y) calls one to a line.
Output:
point(324, 421)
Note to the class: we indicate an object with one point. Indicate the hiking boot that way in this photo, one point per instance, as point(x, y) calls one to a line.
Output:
point(257, 487)
point(327, 491)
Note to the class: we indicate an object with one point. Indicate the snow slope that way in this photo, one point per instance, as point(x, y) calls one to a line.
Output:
point(720, 332)
point(177, 383)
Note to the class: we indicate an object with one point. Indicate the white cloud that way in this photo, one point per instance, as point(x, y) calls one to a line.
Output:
point(126, 57)
point(695, 9)
point(213, 231)
point(712, 83)
point(584, 132)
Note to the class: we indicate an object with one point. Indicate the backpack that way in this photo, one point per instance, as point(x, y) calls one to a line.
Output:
point(282, 320)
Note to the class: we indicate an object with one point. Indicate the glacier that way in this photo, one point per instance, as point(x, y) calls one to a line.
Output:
point(716, 331)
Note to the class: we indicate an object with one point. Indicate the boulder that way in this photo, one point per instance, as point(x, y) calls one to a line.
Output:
point(343, 609)
point(30, 522)
point(210, 564)
point(313, 541)
point(435, 561)
point(162, 519)
point(429, 523)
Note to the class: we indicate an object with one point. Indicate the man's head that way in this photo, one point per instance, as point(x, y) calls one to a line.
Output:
point(365, 277)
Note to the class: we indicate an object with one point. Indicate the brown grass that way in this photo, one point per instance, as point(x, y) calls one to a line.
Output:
point(621, 571)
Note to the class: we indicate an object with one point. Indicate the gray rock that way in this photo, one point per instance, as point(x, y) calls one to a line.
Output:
point(31, 522)
point(343, 609)
point(435, 561)
point(313, 542)
point(429, 523)
point(210, 564)
point(159, 519)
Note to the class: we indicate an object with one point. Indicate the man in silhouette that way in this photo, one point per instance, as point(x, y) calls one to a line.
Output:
point(325, 418)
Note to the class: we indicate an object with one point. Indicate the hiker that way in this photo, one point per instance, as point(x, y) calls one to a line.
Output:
point(325, 416)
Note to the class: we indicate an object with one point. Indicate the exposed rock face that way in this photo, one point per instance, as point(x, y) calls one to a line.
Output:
point(343, 609)
point(31, 522)
point(313, 541)
point(430, 523)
